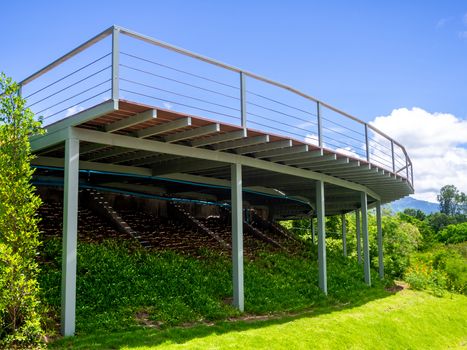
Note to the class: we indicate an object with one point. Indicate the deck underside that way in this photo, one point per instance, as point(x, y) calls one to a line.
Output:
point(154, 144)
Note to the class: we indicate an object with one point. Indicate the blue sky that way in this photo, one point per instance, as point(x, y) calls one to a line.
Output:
point(365, 57)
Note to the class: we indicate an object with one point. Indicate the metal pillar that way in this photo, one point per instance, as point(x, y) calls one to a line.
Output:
point(344, 235)
point(312, 223)
point(70, 236)
point(380, 239)
point(237, 236)
point(359, 239)
point(320, 215)
point(366, 248)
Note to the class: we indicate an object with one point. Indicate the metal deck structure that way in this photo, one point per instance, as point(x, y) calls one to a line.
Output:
point(154, 110)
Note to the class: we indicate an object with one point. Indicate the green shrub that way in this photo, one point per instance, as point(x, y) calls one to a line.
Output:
point(455, 233)
point(20, 321)
point(400, 240)
point(442, 268)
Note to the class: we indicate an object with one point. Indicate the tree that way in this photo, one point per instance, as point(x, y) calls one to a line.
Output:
point(416, 213)
point(19, 303)
point(451, 201)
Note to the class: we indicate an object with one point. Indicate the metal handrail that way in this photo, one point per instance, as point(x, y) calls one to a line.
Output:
point(115, 30)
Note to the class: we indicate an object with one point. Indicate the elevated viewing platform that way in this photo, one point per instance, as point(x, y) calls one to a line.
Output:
point(129, 115)
point(143, 107)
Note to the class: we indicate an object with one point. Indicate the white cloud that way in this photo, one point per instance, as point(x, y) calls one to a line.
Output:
point(437, 145)
point(73, 110)
point(463, 34)
point(167, 105)
point(442, 22)
point(464, 19)
point(312, 139)
point(348, 151)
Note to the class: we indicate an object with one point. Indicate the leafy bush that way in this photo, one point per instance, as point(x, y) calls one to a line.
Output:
point(442, 268)
point(19, 304)
point(400, 240)
point(455, 233)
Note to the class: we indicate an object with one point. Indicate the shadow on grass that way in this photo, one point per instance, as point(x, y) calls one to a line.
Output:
point(139, 336)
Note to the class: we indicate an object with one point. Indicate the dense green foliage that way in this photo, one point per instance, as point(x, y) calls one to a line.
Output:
point(118, 282)
point(440, 268)
point(405, 320)
point(401, 238)
point(19, 303)
point(455, 233)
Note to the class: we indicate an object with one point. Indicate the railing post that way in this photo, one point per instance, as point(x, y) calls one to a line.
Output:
point(367, 143)
point(243, 100)
point(115, 62)
point(393, 158)
point(407, 167)
point(320, 124)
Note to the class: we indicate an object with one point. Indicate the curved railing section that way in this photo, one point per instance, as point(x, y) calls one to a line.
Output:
point(121, 64)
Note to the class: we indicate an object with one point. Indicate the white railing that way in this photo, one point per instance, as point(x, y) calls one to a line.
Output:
point(121, 64)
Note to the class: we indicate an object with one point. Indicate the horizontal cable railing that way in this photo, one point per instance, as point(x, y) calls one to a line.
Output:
point(144, 70)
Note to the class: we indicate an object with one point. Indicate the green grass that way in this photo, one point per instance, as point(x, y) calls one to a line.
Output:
point(131, 298)
point(406, 320)
point(115, 282)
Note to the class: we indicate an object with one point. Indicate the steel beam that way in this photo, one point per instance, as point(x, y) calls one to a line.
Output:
point(318, 160)
point(212, 140)
point(82, 117)
point(380, 239)
point(184, 165)
point(281, 152)
point(320, 215)
point(112, 153)
point(193, 133)
point(237, 236)
point(366, 246)
point(255, 140)
point(70, 237)
point(163, 128)
point(310, 155)
point(264, 147)
point(130, 121)
point(132, 157)
point(181, 150)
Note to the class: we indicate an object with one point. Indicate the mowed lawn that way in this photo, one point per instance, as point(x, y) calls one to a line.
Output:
point(405, 320)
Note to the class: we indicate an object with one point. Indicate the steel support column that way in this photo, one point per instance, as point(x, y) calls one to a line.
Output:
point(359, 239)
point(70, 236)
point(237, 236)
point(380, 239)
point(312, 223)
point(344, 235)
point(366, 248)
point(320, 215)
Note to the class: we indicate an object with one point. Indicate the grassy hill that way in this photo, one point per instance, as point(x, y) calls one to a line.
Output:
point(128, 297)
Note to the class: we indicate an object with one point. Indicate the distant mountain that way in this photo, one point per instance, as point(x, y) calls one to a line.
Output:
point(409, 202)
